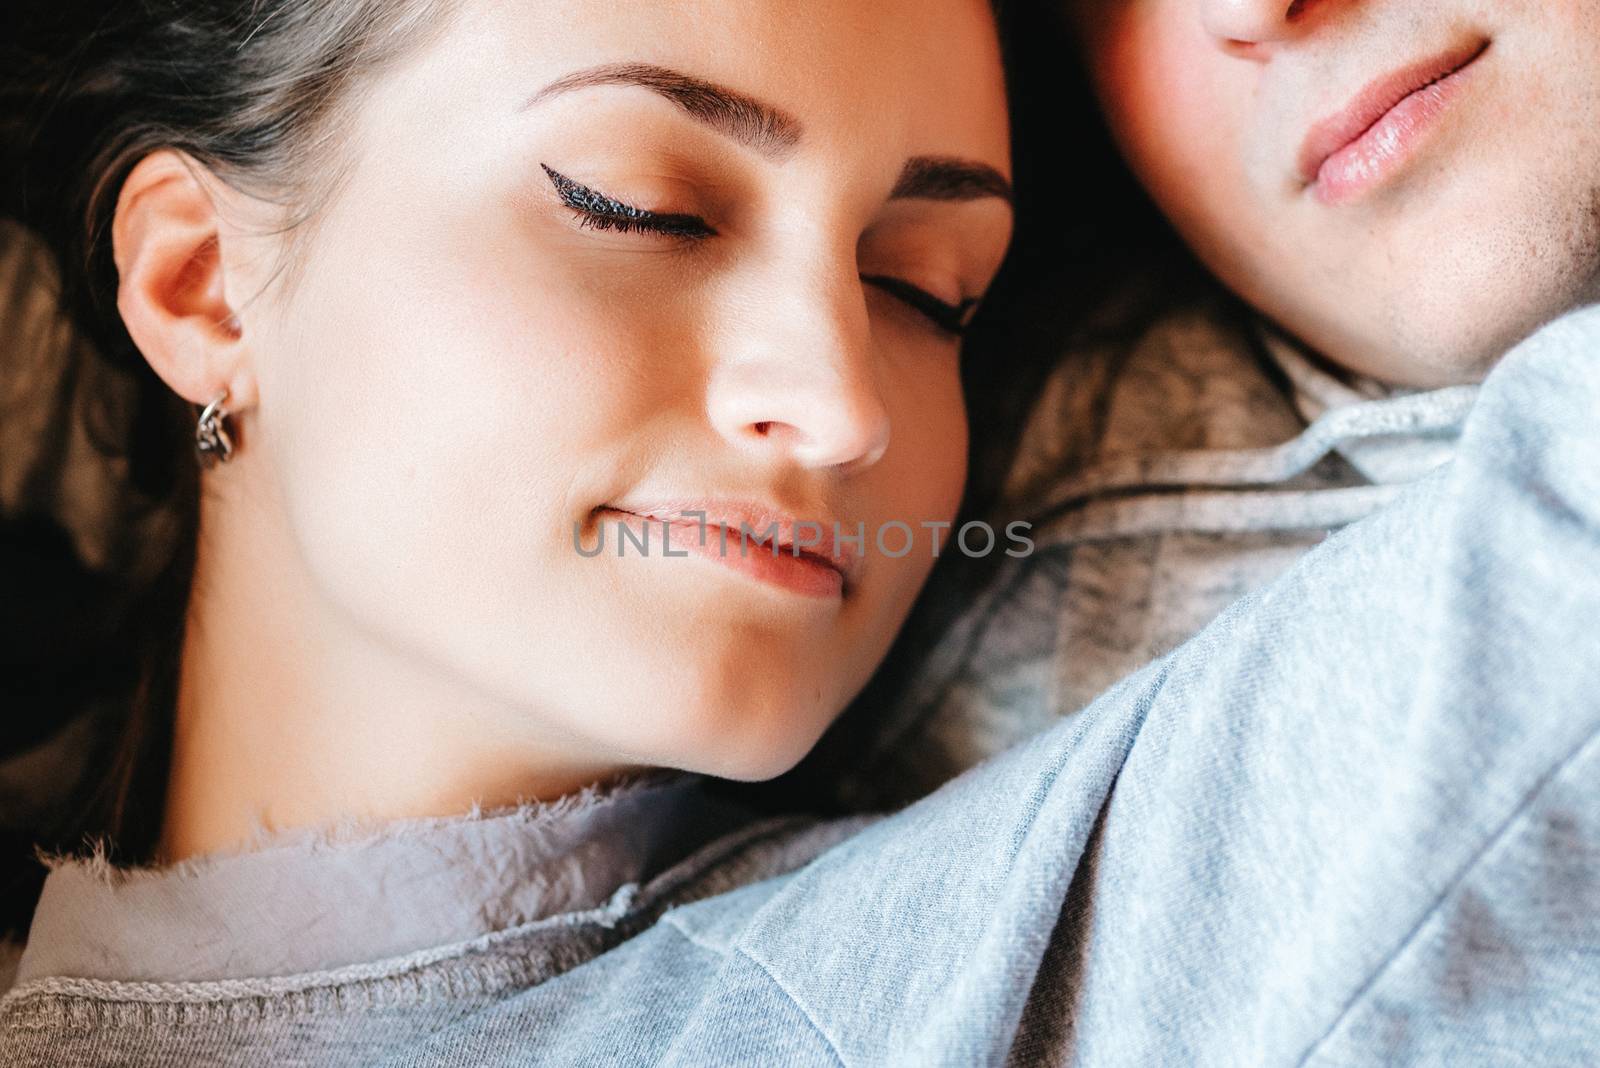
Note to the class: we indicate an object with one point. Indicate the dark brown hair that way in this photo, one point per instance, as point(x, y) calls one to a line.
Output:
point(251, 90)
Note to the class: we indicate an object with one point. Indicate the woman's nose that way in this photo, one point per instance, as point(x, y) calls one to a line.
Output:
point(797, 380)
point(1253, 22)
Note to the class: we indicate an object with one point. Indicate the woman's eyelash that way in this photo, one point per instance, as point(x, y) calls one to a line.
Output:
point(600, 212)
point(951, 318)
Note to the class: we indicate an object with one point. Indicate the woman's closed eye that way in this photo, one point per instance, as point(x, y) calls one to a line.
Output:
point(598, 211)
point(951, 318)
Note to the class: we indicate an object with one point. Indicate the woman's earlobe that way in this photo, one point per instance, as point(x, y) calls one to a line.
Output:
point(171, 288)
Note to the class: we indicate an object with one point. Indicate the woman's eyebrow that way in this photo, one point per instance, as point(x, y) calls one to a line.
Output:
point(763, 127)
point(949, 178)
point(774, 132)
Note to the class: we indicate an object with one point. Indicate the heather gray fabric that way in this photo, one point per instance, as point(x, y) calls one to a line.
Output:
point(1355, 821)
point(1166, 476)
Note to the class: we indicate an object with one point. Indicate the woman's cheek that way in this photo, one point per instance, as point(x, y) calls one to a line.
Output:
point(922, 475)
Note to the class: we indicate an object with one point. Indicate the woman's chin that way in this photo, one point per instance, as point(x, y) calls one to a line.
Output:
point(749, 740)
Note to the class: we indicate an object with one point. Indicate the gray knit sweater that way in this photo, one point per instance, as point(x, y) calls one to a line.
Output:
point(1166, 478)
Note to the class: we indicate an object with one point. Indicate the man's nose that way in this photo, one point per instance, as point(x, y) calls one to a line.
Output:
point(1255, 22)
point(795, 374)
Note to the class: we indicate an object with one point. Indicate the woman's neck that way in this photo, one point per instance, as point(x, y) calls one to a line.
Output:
point(291, 715)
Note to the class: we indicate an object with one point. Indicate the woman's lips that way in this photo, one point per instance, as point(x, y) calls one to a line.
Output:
point(1361, 146)
point(807, 573)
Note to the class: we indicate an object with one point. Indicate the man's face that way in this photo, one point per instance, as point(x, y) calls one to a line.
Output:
point(1409, 186)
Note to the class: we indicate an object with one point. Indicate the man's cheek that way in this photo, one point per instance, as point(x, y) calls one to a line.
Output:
point(1157, 101)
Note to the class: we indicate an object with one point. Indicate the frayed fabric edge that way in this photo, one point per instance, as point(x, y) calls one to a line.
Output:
point(665, 890)
point(358, 832)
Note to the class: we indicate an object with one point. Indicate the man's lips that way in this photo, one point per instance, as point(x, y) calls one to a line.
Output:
point(1377, 100)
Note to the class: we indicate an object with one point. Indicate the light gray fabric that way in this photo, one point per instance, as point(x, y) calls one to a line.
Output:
point(1355, 821)
point(351, 896)
point(1166, 477)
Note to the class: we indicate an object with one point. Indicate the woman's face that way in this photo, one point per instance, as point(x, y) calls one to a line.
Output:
point(484, 348)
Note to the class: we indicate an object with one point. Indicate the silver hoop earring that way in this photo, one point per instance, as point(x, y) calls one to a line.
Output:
point(211, 441)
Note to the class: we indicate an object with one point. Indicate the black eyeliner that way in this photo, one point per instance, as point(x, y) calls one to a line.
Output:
point(950, 317)
point(608, 213)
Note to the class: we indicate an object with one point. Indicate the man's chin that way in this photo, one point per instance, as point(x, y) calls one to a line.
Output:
point(1467, 350)
point(1449, 333)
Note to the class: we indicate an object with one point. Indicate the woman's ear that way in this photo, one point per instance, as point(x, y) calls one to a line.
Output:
point(166, 243)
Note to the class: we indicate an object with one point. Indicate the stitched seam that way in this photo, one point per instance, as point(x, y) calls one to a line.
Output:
point(1162, 675)
point(797, 1003)
point(1514, 818)
point(669, 919)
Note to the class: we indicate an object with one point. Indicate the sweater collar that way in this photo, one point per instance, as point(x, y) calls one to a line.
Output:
point(313, 901)
point(1390, 434)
